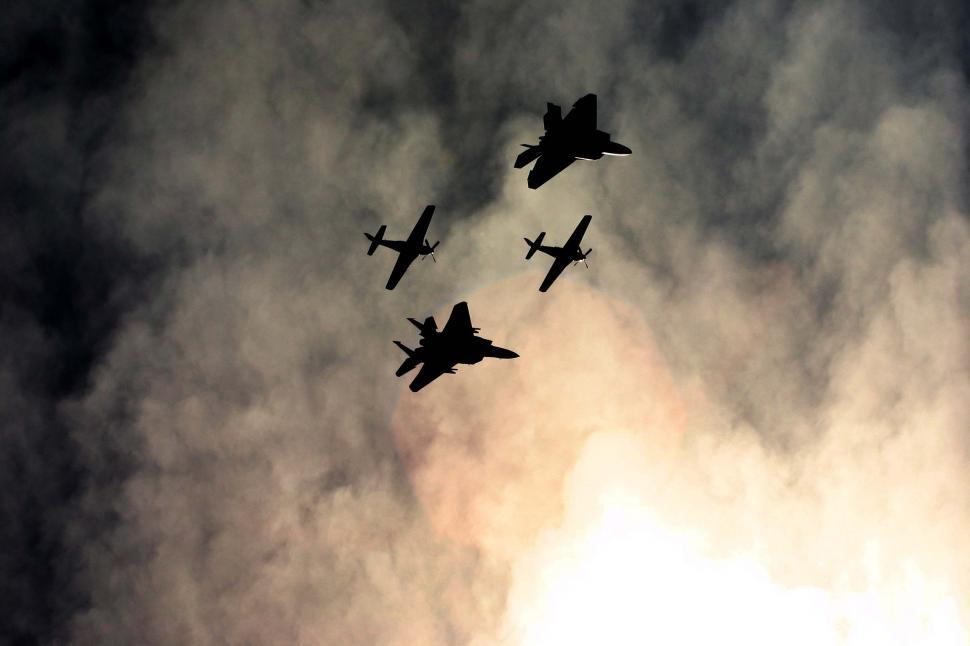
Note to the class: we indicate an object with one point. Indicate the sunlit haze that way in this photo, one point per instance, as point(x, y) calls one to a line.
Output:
point(744, 420)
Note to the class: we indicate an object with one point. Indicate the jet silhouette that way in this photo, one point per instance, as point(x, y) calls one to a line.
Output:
point(408, 249)
point(440, 351)
point(567, 140)
point(570, 252)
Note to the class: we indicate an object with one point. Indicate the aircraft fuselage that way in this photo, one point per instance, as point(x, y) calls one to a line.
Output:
point(467, 350)
point(574, 254)
point(400, 245)
point(588, 145)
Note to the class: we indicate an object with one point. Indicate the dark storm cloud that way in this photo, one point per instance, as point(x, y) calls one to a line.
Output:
point(196, 390)
point(65, 281)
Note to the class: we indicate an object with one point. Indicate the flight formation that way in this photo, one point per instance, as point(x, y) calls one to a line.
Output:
point(566, 139)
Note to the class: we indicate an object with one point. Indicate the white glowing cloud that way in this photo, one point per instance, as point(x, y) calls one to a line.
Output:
point(616, 573)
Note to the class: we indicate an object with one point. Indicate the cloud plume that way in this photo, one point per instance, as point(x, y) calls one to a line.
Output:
point(761, 384)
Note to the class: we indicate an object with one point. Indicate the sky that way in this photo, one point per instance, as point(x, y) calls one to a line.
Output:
point(746, 422)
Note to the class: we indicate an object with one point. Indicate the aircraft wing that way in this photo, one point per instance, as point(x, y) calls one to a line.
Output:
point(583, 114)
point(430, 370)
point(460, 321)
point(420, 230)
point(558, 265)
point(548, 166)
point(578, 234)
point(404, 259)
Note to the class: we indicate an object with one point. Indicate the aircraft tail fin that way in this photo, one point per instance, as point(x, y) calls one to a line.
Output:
point(552, 117)
point(376, 240)
point(528, 156)
point(534, 246)
point(427, 327)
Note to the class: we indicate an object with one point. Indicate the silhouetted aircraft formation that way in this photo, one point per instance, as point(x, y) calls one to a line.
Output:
point(566, 139)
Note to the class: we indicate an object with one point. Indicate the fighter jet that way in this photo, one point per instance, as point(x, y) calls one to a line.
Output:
point(567, 140)
point(408, 249)
point(570, 252)
point(441, 350)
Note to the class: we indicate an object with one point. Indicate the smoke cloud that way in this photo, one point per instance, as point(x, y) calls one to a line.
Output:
point(747, 420)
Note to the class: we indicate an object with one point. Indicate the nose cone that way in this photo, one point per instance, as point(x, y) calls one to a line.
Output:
point(502, 353)
point(616, 149)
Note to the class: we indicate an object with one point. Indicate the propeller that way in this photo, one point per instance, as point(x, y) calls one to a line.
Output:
point(432, 248)
point(582, 256)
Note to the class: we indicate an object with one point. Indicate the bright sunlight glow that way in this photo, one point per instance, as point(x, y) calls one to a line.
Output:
point(615, 575)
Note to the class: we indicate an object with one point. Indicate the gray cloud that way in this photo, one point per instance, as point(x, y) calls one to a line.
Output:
point(773, 331)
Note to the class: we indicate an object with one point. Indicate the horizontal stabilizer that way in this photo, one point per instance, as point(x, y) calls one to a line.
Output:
point(375, 241)
point(534, 246)
point(530, 155)
point(410, 363)
point(407, 366)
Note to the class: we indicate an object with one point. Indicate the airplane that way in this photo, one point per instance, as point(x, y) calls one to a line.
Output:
point(566, 140)
point(439, 351)
point(408, 249)
point(570, 252)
